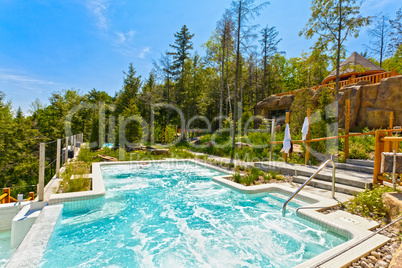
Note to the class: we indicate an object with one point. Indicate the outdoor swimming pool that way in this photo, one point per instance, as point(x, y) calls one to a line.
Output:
point(174, 215)
point(5, 251)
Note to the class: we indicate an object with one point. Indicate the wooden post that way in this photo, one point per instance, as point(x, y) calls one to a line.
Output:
point(272, 139)
point(393, 73)
point(347, 124)
point(73, 143)
point(66, 152)
point(391, 123)
point(307, 156)
point(58, 158)
point(31, 195)
point(41, 172)
point(285, 156)
point(6, 200)
point(379, 148)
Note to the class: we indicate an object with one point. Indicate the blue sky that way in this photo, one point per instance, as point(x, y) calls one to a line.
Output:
point(47, 46)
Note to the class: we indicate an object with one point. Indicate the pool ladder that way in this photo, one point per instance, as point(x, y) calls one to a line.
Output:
point(312, 177)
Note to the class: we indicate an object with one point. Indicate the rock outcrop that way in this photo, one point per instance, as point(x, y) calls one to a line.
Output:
point(371, 104)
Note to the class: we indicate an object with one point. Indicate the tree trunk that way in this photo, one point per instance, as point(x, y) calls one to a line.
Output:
point(256, 89)
point(227, 83)
point(338, 55)
point(382, 40)
point(265, 70)
point(236, 83)
point(168, 99)
point(222, 73)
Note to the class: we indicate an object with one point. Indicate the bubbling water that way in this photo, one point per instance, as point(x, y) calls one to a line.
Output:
point(174, 215)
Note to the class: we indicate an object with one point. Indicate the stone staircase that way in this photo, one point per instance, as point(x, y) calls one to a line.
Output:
point(350, 178)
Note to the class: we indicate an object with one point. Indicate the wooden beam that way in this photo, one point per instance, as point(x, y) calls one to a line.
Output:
point(41, 189)
point(347, 123)
point(307, 156)
point(379, 148)
point(7, 198)
point(285, 156)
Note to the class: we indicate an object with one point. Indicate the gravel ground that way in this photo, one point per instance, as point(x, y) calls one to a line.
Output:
point(382, 256)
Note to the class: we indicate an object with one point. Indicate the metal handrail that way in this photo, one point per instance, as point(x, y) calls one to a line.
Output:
point(312, 176)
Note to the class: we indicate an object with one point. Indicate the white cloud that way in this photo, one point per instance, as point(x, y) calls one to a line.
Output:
point(99, 8)
point(144, 52)
point(120, 40)
point(23, 82)
point(123, 37)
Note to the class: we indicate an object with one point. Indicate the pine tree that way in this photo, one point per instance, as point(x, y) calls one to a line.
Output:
point(269, 47)
point(242, 11)
point(129, 92)
point(182, 45)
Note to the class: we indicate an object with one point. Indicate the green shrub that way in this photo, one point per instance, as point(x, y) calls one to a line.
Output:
point(266, 176)
point(255, 172)
point(249, 179)
point(237, 177)
point(273, 174)
point(369, 203)
point(79, 183)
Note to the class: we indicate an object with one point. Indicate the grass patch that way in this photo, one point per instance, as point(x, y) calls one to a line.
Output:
point(79, 183)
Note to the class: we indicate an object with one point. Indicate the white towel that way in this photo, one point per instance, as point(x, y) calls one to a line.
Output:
point(286, 140)
point(305, 129)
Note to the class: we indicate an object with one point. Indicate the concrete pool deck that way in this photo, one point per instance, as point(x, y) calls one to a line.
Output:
point(31, 250)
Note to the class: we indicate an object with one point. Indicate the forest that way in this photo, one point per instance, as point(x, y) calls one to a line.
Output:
point(240, 66)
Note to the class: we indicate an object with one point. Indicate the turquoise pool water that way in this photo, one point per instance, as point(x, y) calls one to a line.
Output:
point(5, 251)
point(109, 145)
point(173, 215)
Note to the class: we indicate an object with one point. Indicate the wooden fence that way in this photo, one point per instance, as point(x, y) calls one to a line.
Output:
point(346, 136)
point(7, 198)
point(375, 78)
point(384, 142)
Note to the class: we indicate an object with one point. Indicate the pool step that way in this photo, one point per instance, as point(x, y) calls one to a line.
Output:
point(355, 167)
point(367, 163)
point(341, 188)
point(350, 178)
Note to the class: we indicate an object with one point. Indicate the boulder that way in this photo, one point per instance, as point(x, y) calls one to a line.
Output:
point(277, 128)
point(210, 143)
point(375, 118)
point(393, 203)
point(317, 95)
point(196, 141)
point(285, 102)
point(371, 104)
point(397, 259)
point(270, 103)
point(363, 82)
point(389, 97)
point(368, 98)
point(242, 144)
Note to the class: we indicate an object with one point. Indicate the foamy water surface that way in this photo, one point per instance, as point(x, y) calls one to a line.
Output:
point(173, 215)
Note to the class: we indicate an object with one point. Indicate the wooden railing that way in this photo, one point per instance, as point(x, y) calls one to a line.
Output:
point(6, 197)
point(346, 136)
point(384, 143)
point(374, 78)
